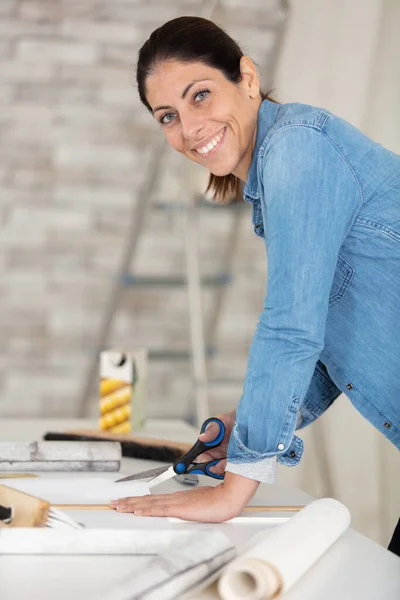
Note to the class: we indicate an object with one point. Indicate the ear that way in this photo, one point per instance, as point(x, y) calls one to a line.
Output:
point(250, 80)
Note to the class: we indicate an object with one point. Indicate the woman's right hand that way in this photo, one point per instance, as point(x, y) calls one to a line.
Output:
point(220, 451)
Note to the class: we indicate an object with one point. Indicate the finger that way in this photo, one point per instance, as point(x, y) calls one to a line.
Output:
point(158, 510)
point(134, 503)
point(193, 505)
point(205, 457)
point(134, 507)
point(219, 468)
point(214, 454)
point(128, 499)
point(143, 502)
point(178, 511)
point(211, 432)
point(187, 511)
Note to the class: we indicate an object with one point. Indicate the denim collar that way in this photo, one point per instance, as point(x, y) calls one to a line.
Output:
point(266, 118)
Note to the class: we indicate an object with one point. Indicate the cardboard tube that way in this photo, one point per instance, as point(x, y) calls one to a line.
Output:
point(255, 579)
point(274, 560)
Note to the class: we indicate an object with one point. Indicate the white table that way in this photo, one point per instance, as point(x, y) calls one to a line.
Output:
point(354, 567)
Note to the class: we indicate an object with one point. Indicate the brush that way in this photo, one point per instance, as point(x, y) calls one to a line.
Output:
point(132, 446)
point(18, 509)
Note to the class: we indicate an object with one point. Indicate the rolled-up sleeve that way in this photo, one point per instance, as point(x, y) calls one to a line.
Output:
point(309, 200)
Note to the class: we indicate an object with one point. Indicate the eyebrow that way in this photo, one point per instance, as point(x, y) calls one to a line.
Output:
point(183, 96)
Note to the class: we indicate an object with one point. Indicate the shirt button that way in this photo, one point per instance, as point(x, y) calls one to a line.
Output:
point(281, 446)
point(387, 425)
point(293, 454)
point(349, 386)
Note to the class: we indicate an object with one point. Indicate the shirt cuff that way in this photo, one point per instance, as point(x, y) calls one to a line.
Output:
point(263, 470)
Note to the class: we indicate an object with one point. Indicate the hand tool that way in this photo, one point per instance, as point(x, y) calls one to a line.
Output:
point(186, 464)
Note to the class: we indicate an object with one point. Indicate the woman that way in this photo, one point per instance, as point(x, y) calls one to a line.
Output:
point(326, 200)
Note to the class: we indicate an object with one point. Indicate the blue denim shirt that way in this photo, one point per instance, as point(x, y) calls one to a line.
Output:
point(326, 200)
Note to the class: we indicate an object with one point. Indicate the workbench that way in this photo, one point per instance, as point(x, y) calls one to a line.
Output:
point(354, 567)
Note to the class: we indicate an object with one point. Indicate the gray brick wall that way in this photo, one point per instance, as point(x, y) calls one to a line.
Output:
point(75, 146)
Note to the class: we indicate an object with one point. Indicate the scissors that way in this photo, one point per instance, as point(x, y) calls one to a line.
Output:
point(186, 465)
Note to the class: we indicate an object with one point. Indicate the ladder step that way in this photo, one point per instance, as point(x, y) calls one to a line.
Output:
point(159, 355)
point(201, 202)
point(224, 381)
point(130, 280)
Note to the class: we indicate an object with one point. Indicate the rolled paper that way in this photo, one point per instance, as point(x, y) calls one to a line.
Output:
point(254, 579)
point(274, 561)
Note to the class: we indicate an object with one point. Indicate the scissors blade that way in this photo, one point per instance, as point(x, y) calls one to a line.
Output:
point(144, 474)
point(168, 474)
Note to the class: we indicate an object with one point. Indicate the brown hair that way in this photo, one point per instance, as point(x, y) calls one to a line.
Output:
point(194, 39)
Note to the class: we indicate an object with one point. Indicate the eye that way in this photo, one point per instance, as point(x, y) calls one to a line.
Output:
point(167, 118)
point(199, 96)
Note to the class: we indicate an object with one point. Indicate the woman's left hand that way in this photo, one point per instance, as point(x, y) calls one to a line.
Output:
point(208, 504)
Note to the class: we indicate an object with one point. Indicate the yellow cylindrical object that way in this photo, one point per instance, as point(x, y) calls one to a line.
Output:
point(115, 399)
point(117, 387)
point(107, 386)
point(115, 409)
point(121, 414)
point(107, 421)
point(122, 428)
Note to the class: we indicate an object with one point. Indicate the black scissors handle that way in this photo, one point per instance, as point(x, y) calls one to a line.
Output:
point(185, 466)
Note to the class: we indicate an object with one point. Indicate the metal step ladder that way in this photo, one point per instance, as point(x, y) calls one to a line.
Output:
point(202, 336)
point(202, 343)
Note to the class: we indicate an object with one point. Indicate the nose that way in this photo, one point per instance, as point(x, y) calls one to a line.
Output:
point(192, 125)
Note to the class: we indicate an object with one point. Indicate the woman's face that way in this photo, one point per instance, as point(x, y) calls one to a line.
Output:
point(204, 116)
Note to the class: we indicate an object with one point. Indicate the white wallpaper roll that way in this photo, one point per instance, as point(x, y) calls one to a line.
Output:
point(273, 563)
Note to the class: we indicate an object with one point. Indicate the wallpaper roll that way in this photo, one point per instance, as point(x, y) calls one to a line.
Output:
point(272, 563)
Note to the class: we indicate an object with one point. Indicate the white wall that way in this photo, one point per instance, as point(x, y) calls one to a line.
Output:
point(344, 55)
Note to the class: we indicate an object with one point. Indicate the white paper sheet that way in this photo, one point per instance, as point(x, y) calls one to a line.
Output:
point(132, 541)
point(176, 569)
point(276, 562)
point(78, 490)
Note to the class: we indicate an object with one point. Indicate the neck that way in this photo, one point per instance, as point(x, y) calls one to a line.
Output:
point(242, 169)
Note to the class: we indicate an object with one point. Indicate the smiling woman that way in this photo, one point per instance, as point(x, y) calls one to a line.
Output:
point(326, 201)
point(205, 94)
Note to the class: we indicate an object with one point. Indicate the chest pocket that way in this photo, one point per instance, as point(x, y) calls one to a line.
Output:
point(343, 275)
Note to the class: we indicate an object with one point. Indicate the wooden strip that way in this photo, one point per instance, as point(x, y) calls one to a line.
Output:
point(16, 475)
point(277, 508)
point(82, 506)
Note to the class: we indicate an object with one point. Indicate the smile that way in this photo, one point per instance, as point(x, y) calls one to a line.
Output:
point(212, 145)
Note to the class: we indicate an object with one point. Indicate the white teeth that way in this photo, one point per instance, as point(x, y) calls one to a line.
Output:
point(210, 145)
